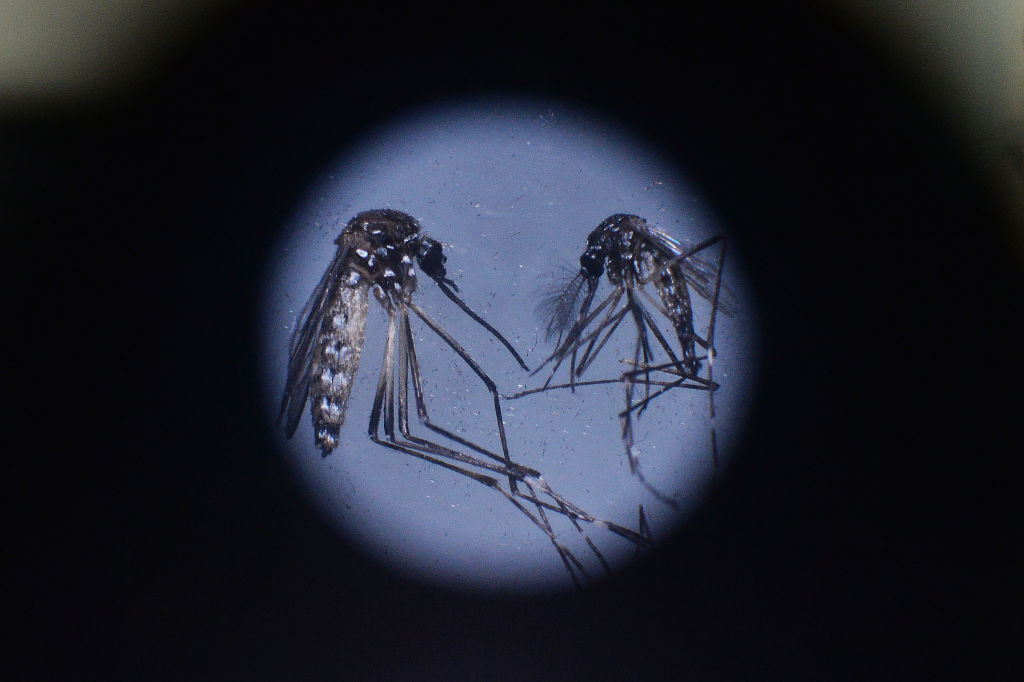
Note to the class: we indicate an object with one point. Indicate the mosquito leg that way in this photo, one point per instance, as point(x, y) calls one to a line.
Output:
point(578, 328)
point(491, 386)
point(672, 368)
point(378, 408)
point(666, 387)
point(408, 365)
point(561, 506)
point(677, 367)
point(579, 529)
point(642, 341)
point(659, 336)
point(590, 355)
point(469, 311)
point(569, 560)
point(573, 513)
point(386, 408)
point(591, 337)
point(626, 416)
point(627, 420)
point(714, 302)
point(515, 472)
point(594, 382)
point(686, 337)
point(614, 298)
point(384, 403)
point(572, 564)
point(572, 338)
point(408, 346)
point(574, 370)
point(711, 358)
point(566, 556)
point(643, 528)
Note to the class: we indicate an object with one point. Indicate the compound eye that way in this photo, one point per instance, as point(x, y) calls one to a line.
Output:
point(432, 259)
point(591, 264)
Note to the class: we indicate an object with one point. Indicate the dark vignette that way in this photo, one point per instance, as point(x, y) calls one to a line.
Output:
point(863, 533)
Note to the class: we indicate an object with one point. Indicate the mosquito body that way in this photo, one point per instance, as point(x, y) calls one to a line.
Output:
point(378, 252)
point(632, 255)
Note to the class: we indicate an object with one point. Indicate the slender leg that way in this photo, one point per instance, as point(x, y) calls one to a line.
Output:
point(454, 345)
point(562, 506)
point(384, 403)
point(591, 354)
point(574, 370)
point(641, 329)
point(408, 346)
point(494, 332)
point(399, 334)
point(594, 382)
point(407, 366)
point(711, 358)
point(590, 339)
point(375, 418)
point(643, 528)
point(627, 420)
point(649, 319)
point(571, 339)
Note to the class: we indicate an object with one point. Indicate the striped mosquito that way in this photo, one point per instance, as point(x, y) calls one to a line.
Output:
point(378, 251)
point(634, 255)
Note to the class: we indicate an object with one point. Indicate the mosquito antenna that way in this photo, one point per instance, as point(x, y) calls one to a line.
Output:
point(560, 303)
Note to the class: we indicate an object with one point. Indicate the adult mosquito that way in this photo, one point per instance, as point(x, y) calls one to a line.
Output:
point(633, 255)
point(378, 251)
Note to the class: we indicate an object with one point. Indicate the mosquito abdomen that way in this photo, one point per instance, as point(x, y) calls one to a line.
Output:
point(336, 361)
point(675, 297)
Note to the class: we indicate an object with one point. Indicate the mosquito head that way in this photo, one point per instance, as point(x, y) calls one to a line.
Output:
point(432, 259)
point(592, 262)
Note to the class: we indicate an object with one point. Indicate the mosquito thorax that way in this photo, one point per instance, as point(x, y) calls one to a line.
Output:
point(381, 227)
point(611, 246)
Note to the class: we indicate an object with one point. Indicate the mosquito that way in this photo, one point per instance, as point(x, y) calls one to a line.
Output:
point(378, 251)
point(634, 255)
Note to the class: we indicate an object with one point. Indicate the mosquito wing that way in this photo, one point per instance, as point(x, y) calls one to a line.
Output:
point(303, 343)
point(701, 274)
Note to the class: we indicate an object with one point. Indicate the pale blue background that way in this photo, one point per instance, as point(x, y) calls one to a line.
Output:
point(512, 188)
